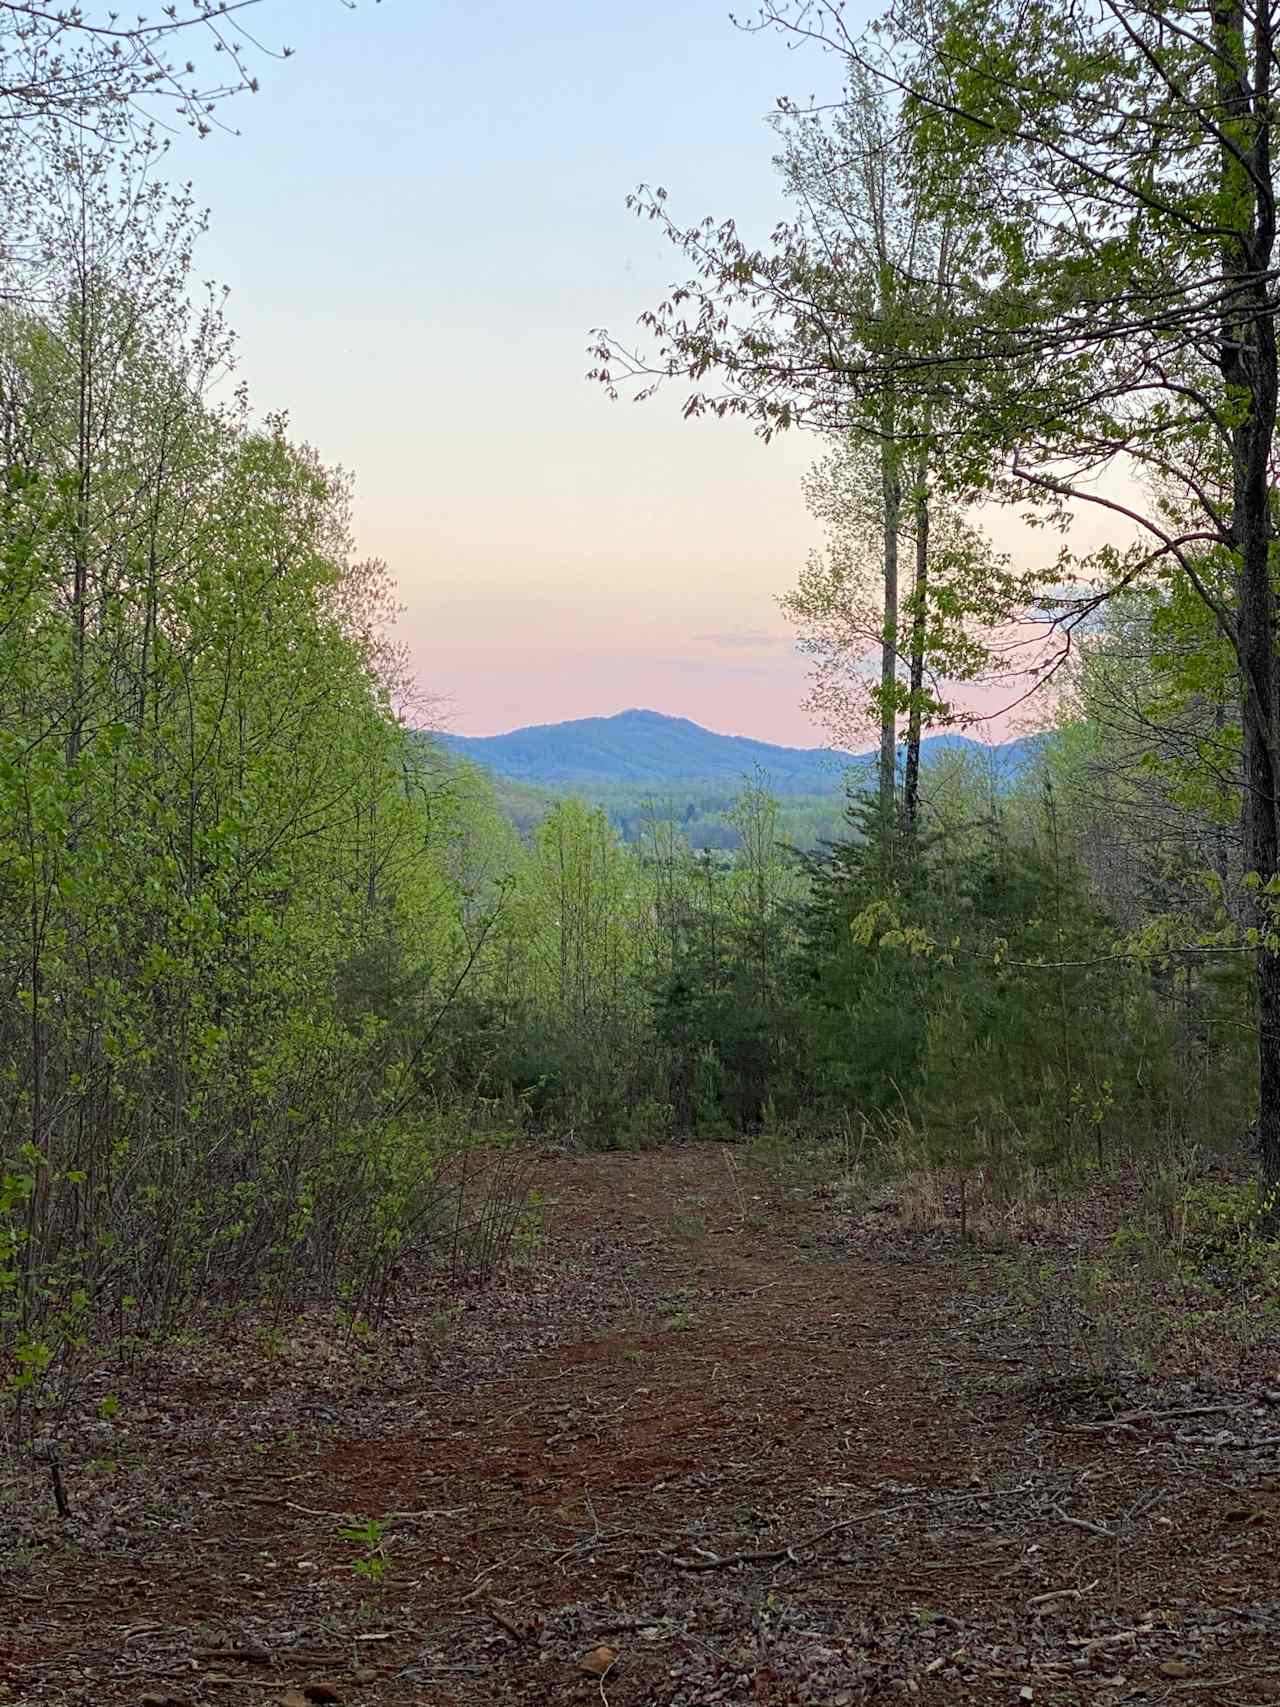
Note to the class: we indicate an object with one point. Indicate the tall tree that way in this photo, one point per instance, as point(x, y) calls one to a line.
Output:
point(941, 637)
point(850, 172)
point(853, 286)
point(1129, 316)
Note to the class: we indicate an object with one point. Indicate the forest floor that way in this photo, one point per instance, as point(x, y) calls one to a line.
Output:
point(724, 1438)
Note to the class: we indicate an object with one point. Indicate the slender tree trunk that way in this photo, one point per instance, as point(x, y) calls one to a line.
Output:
point(1248, 362)
point(1262, 843)
point(919, 624)
point(891, 484)
point(80, 559)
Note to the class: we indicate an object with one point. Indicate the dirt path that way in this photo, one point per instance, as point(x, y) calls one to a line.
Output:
point(710, 1450)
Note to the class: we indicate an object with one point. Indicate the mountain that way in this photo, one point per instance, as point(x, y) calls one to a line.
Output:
point(645, 749)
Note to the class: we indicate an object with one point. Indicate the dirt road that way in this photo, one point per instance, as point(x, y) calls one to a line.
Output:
point(718, 1442)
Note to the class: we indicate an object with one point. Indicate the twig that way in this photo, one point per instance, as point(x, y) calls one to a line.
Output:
point(1147, 1502)
point(772, 1555)
point(1084, 1523)
point(53, 1458)
point(512, 1630)
point(1102, 1428)
point(314, 1511)
point(1088, 1645)
point(596, 1543)
point(615, 1626)
point(1179, 1415)
point(1048, 1599)
point(613, 1662)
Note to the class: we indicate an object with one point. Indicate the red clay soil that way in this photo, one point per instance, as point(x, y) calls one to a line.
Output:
point(704, 1448)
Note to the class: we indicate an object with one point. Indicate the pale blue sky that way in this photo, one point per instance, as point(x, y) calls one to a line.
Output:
point(420, 221)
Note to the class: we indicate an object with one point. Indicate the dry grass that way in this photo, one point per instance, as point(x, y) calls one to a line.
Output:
point(1151, 1264)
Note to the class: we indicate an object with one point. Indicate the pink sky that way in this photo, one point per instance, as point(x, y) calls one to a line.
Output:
point(638, 565)
point(640, 569)
point(416, 285)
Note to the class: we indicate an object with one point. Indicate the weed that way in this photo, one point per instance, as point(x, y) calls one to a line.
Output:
point(1188, 1279)
point(272, 1341)
point(367, 1534)
point(686, 1223)
point(527, 1238)
point(439, 1327)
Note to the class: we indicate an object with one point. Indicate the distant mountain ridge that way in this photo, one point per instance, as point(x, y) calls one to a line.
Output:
point(647, 749)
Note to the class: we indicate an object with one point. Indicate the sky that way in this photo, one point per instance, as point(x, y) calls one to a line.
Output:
point(420, 220)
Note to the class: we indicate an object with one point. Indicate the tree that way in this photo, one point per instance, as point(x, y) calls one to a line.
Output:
point(1137, 321)
point(99, 69)
point(849, 171)
point(855, 285)
point(941, 636)
point(234, 898)
point(853, 195)
point(1146, 778)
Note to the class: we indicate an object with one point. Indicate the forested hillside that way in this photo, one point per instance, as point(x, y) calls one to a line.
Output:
point(644, 750)
point(642, 767)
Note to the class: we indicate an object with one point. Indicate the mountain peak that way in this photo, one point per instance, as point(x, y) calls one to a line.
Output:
point(639, 748)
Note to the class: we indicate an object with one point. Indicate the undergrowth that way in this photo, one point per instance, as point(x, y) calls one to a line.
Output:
point(1158, 1259)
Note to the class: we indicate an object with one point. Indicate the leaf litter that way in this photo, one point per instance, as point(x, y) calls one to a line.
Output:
point(804, 1460)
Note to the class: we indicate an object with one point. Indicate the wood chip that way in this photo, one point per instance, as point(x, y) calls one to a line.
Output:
point(599, 1661)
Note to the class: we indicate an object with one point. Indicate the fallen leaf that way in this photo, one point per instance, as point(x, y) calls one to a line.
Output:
point(1175, 1668)
point(598, 1661)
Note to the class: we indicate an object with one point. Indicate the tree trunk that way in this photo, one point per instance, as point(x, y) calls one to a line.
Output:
point(1262, 843)
point(1247, 358)
point(891, 485)
point(80, 554)
point(919, 622)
